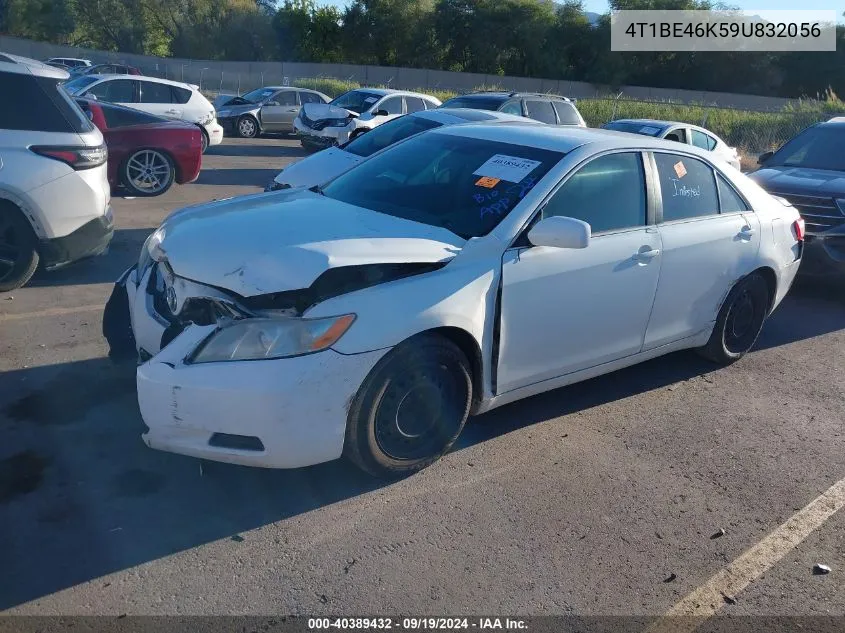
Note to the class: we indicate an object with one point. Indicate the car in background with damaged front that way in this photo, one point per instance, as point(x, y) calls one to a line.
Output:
point(464, 268)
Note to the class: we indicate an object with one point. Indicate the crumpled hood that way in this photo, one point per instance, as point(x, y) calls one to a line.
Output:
point(274, 242)
point(801, 181)
point(318, 168)
point(320, 111)
point(238, 109)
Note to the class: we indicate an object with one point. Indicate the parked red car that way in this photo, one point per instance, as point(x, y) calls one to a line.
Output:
point(147, 154)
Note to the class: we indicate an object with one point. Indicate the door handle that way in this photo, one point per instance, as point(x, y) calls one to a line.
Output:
point(746, 231)
point(645, 256)
point(171, 111)
point(292, 110)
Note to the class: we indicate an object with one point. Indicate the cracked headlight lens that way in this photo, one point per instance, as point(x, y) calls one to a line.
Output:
point(256, 339)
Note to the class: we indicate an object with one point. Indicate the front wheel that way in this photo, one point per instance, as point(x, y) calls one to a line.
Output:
point(411, 408)
point(739, 322)
point(247, 127)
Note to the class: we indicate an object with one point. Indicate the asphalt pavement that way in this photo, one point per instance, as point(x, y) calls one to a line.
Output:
point(603, 498)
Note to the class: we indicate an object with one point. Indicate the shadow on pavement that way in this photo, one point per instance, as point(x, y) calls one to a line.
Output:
point(82, 497)
point(264, 150)
point(106, 268)
point(242, 177)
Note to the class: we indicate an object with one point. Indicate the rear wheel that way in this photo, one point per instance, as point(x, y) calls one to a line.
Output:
point(148, 172)
point(204, 145)
point(411, 408)
point(18, 249)
point(247, 127)
point(740, 321)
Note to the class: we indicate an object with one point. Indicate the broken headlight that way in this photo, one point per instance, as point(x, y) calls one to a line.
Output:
point(256, 339)
point(151, 251)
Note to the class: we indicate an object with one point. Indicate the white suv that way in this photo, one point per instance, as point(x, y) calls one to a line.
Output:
point(162, 97)
point(54, 193)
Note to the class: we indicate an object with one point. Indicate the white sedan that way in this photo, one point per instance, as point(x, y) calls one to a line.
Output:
point(333, 161)
point(680, 133)
point(464, 268)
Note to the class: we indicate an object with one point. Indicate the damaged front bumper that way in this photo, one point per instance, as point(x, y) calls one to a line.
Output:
point(274, 413)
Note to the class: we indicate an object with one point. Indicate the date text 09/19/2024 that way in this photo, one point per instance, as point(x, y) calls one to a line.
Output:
point(417, 624)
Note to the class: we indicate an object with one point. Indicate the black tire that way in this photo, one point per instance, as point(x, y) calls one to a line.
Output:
point(739, 322)
point(161, 161)
point(247, 126)
point(18, 249)
point(205, 140)
point(431, 377)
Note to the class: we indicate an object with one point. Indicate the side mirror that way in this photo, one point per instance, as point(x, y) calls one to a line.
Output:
point(558, 231)
point(762, 158)
point(90, 95)
point(381, 112)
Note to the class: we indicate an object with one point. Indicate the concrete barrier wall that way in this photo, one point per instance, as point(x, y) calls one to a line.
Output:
point(239, 77)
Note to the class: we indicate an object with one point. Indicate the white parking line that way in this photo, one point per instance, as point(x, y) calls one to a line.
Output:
point(706, 600)
point(50, 312)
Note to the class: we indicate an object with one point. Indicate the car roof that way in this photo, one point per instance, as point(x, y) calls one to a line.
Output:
point(833, 122)
point(565, 138)
point(650, 122)
point(505, 94)
point(159, 80)
point(28, 66)
point(469, 115)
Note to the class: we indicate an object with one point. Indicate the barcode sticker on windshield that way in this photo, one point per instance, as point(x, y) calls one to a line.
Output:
point(370, 99)
point(504, 167)
point(651, 131)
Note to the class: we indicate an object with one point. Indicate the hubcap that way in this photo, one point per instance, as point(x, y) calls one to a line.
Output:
point(739, 328)
point(9, 247)
point(149, 171)
point(419, 412)
point(247, 127)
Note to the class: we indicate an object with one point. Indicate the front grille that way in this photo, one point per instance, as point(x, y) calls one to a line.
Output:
point(819, 213)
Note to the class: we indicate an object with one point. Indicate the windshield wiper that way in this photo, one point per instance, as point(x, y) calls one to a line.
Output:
point(317, 189)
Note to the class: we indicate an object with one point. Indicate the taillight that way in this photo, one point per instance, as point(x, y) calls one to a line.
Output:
point(798, 229)
point(75, 156)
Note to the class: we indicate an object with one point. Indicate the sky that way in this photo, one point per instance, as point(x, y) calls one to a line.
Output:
point(600, 6)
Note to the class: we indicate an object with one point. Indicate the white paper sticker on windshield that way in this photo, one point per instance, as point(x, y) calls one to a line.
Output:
point(651, 131)
point(370, 99)
point(504, 167)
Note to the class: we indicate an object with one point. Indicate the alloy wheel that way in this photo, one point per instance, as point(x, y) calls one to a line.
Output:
point(149, 171)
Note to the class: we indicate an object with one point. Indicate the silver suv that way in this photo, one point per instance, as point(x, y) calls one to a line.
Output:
point(546, 108)
point(54, 193)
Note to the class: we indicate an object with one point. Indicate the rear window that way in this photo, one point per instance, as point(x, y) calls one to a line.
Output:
point(414, 104)
point(47, 106)
point(477, 101)
point(465, 185)
point(388, 134)
point(125, 117)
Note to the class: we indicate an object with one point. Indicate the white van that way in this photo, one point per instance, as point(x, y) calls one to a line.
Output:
point(162, 97)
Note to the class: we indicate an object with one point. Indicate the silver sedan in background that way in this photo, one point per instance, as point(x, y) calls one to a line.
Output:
point(268, 109)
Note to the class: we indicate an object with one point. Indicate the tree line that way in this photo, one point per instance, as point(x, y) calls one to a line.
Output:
point(532, 38)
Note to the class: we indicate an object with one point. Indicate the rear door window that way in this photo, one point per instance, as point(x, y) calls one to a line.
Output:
point(687, 187)
point(180, 95)
point(309, 97)
point(512, 107)
point(541, 111)
point(414, 104)
point(124, 117)
point(153, 92)
point(393, 105)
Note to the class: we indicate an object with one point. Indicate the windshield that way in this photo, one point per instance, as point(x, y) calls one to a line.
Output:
point(356, 100)
point(465, 185)
point(76, 86)
point(258, 95)
point(815, 148)
point(477, 102)
point(388, 134)
point(633, 127)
